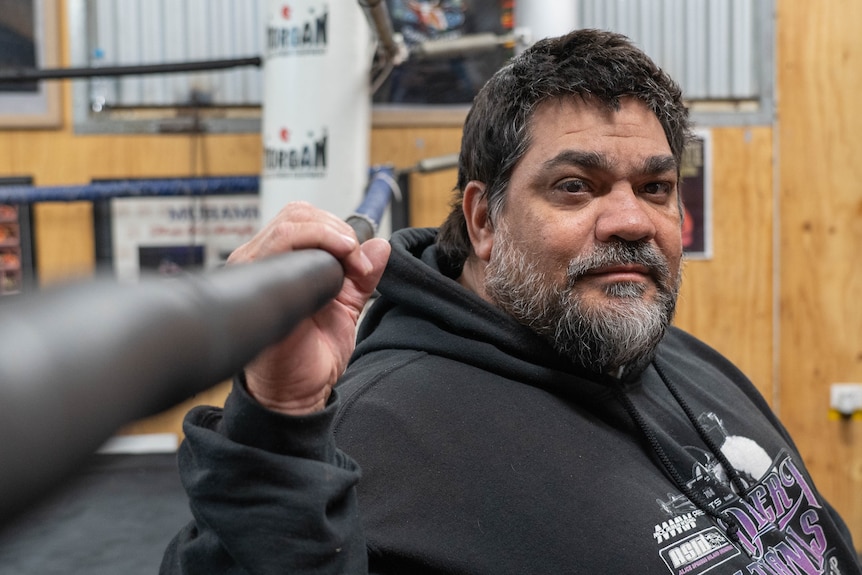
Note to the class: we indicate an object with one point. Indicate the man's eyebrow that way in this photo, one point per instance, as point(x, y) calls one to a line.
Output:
point(588, 160)
point(659, 165)
point(593, 160)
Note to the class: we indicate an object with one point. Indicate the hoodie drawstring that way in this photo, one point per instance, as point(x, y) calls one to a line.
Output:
point(731, 522)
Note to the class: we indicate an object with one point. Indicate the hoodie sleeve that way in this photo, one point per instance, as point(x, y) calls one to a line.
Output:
point(269, 494)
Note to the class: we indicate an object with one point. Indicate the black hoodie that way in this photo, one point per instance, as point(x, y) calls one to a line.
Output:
point(483, 451)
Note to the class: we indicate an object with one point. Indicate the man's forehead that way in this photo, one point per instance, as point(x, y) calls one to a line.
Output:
point(592, 134)
point(588, 102)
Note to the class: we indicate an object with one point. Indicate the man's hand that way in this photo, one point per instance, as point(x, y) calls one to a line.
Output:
point(296, 375)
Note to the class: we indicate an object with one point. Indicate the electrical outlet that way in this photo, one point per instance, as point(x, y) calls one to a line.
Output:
point(846, 398)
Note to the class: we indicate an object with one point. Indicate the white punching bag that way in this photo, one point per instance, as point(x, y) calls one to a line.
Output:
point(316, 105)
point(545, 18)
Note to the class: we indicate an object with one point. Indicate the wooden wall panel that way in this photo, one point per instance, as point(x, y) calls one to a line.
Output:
point(431, 193)
point(431, 196)
point(820, 140)
point(404, 146)
point(63, 158)
point(63, 238)
point(728, 300)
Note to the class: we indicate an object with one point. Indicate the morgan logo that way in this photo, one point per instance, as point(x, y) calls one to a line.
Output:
point(302, 158)
point(297, 35)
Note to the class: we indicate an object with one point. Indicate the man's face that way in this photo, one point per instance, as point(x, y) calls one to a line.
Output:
point(587, 248)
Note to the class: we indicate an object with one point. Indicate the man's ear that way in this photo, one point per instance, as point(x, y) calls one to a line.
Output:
point(475, 205)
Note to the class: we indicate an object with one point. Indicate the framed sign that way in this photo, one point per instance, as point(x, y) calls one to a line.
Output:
point(28, 39)
point(696, 191)
point(164, 236)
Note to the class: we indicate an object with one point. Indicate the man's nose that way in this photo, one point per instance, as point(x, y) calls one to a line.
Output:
point(623, 215)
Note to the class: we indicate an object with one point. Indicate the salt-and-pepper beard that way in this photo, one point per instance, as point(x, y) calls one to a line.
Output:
point(621, 332)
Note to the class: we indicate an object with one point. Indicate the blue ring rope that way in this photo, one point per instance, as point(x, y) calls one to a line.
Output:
point(131, 188)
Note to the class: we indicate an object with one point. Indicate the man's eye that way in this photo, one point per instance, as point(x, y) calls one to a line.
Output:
point(572, 186)
point(657, 188)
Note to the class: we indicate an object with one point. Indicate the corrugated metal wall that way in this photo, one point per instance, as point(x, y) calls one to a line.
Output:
point(164, 31)
point(708, 46)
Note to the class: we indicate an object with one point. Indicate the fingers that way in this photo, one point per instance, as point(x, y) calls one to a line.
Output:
point(376, 252)
point(295, 375)
point(299, 225)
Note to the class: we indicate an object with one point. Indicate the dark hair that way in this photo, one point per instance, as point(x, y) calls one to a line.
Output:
point(603, 66)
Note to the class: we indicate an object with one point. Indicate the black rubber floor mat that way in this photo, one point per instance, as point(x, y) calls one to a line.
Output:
point(116, 517)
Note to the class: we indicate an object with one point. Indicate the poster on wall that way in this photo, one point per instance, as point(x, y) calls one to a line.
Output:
point(166, 236)
point(446, 80)
point(696, 189)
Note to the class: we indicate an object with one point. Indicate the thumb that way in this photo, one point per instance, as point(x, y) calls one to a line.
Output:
point(377, 251)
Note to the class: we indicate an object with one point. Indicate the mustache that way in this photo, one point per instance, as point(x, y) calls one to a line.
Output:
point(620, 253)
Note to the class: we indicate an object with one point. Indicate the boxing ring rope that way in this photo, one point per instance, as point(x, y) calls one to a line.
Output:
point(130, 188)
point(82, 360)
point(32, 74)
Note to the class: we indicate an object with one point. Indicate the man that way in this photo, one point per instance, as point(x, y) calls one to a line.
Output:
point(517, 400)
